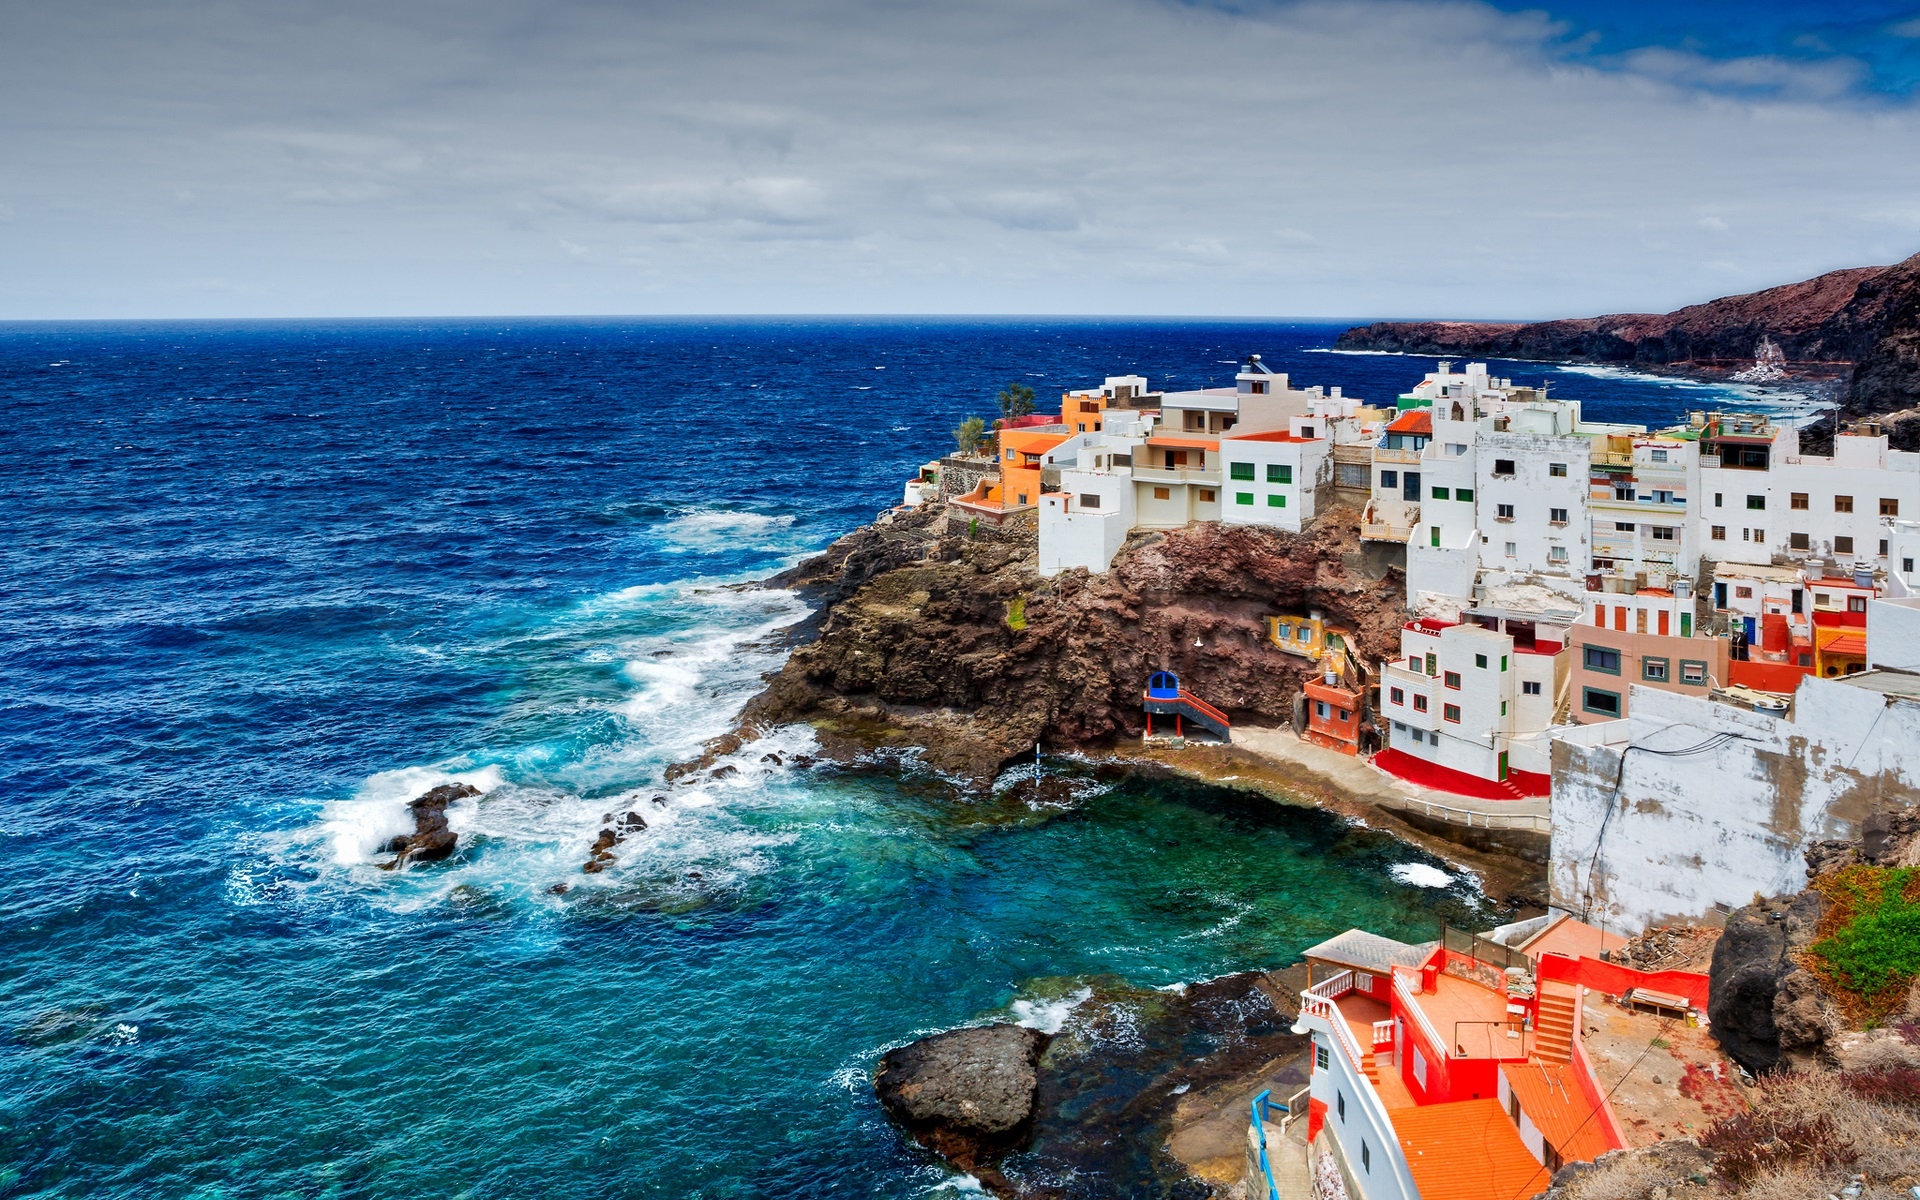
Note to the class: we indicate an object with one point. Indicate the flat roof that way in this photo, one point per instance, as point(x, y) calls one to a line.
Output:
point(1277, 435)
point(1571, 937)
point(1185, 443)
point(1884, 681)
point(1467, 1150)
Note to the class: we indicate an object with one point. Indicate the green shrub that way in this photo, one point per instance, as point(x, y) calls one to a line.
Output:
point(1017, 613)
point(1871, 946)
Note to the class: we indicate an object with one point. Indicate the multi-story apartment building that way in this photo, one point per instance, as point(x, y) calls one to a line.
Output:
point(1645, 637)
point(1274, 478)
point(1762, 499)
point(1464, 699)
point(1085, 522)
point(1641, 485)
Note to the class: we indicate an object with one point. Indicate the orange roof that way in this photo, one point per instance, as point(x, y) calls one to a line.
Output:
point(1467, 1150)
point(1276, 435)
point(1180, 443)
point(1571, 937)
point(1419, 420)
point(1031, 443)
point(1847, 643)
point(1550, 1096)
point(1779, 678)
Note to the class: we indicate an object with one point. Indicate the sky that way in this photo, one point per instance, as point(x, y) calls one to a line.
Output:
point(1365, 158)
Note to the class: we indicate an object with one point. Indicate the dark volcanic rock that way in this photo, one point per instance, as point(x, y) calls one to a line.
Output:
point(927, 653)
point(1866, 318)
point(431, 839)
point(966, 1094)
point(1765, 1007)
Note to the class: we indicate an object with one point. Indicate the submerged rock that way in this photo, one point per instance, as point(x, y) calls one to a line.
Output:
point(430, 840)
point(967, 1094)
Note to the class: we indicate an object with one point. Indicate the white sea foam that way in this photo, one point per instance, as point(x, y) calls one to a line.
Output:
point(1049, 1016)
point(723, 529)
point(1421, 875)
point(374, 815)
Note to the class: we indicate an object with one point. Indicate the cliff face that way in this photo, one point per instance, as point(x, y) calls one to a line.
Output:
point(1866, 318)
point(967, 652)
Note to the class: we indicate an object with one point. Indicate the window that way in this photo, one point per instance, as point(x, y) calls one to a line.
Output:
point(1503, 662)
point(1716, 499)
point(1480, 660)
point(1397, 695)
point(1240, 470)
point(1452, 680)
point(1693, 672)
point(1623, 493)
point(1419, 702)
point(1797, 501)
point(1440, 493)
point(1502, 467)
point(1088, 500)
point(1513, 549)
point(1797, 541)
point(1366, 1156)
point(1503, 512)
point(1463, 493)
point(1420, 735)
point(1889, 508)
point(1279, 473)
point(1433, 665)
point(1623, 526)
point(1661, 533)
point(1456, 448)
point(1823, 599)
point(1843, 504)
point(1742, 593)
point(1883, 547)
point(1856, 604)
point(1320, 1057)
point(1599, 703)
point(1843, 545)
point(1420, 1068)
point(1243, 497)
point(1023, 497)
point(1719, 533)
point(1599, 658)
point(1389, 479)
point(1320, 709)
point(1557, 515)
point(1207, 496)
point(1530, 687)
point(1556, 554)
point(1340, 1103)
point(1503, 708)
point(1906, 566)
point(1756, 502)
point(1276, 500)
point(1557, 470)
point(1657, 455)
point(1163, 493)
point(1451, 712)
point(1653, 670)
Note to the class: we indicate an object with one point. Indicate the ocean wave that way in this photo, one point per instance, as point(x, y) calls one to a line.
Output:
point(1049, 1016)
point(1420, 875)
point(723, 529)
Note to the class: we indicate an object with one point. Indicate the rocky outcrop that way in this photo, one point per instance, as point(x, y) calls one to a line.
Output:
point(1862, 323)
point(964, 651)
point(967, 1094)
point(1764, 1007)
point(600, 855)
point(430, 839)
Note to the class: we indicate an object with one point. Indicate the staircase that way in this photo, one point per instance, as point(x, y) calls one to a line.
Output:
point(1185, 704)
point(1559, 1023)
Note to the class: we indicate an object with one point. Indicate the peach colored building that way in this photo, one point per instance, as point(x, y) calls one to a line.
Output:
point(1607, 662)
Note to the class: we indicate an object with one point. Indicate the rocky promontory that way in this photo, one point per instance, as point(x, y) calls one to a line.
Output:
point(1860, 325)
point(933, 636)
point(966, 1094)
point(431, 839)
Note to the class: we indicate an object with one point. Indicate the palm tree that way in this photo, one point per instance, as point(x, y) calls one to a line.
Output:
point(969, 434)
point(1016, 400)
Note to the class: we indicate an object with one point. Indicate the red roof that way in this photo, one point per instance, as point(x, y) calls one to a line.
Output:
point(1467, 1150)
point(1851, 645)
point(1779, 678)
point(1419, 420)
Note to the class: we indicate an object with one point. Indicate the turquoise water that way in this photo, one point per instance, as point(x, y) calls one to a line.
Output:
point(263, 584)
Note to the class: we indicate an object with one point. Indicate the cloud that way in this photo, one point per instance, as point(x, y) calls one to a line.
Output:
point(1291, 157)
point(1906, 29)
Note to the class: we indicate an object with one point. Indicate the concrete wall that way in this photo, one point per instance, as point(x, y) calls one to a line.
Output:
point(1715, 803)
point(1893, 635)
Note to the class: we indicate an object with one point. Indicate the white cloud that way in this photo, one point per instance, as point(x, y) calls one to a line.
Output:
point(1339, 158)
point(1906, 29)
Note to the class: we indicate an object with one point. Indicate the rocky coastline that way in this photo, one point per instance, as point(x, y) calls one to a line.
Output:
point(1853, 332)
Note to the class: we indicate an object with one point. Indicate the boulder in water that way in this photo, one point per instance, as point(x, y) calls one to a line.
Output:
point(430, 840)
point(967, 1094)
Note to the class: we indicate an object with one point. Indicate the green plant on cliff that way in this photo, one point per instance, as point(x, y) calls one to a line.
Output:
point(1869, 951)
point(1017, 613)
point(969, 434)
point(1016, 400)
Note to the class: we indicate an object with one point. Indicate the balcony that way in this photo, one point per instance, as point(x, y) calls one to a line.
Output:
point(1383, 455)
point(1203, 475)
point(1373, 528)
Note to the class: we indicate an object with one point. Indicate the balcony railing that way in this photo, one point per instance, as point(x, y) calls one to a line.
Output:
point(1383, 455)
point(1210, 475)
point(1318, 1001)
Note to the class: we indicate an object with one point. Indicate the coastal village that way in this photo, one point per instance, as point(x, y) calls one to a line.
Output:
point(1689, 657)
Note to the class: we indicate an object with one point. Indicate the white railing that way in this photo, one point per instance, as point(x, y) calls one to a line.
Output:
point(1318, 1001)
point(1382, 1033)
point(1474, 820)
point(1332, 987)
point(1420, 1018)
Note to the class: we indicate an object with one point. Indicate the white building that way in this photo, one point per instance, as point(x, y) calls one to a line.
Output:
point(1085, 523)
point(1642, 485)
point(1472, 696)
point(1893, 621)
point(1272, 477)
point(1761, 498)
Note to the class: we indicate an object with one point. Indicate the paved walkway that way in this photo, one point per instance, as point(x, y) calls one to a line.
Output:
point(1354, 775)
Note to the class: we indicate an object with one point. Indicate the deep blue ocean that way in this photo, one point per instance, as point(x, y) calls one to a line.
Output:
point(260, 584)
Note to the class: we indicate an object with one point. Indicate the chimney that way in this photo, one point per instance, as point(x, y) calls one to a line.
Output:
point(1862, 574)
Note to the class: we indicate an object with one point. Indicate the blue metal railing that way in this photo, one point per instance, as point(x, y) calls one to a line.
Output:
point(1263, 1107)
